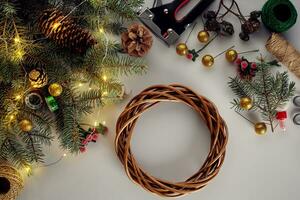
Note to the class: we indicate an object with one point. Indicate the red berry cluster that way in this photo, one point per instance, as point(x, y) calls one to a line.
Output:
point(246, 69)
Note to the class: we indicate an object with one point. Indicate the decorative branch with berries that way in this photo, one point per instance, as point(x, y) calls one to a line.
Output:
point(259, 90)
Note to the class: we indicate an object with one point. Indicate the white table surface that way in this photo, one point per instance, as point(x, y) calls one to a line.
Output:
point(170, 143)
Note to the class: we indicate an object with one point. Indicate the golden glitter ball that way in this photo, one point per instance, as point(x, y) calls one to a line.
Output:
point(208, 61)
point(231, 55)
point(260, 128)
point(55, 89)
point(26, 125)
point(203, 36)
point(246, 103)
point(182, 49)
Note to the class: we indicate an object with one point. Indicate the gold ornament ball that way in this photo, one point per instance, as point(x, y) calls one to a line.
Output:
point(182, 49)
point(231, 55)
point(260, 128)
point(246, 103)
point(208, 61)
point(26, 125)
point(203, 36)
point(55, 89)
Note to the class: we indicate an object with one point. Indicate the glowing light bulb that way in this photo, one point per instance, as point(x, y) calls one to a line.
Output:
point(104, 122)
point(17, 39)
point(96, 123)
point(56, 25)
point(12, 117)
point(19, 53)
point(64, 155)
point(28, 169)
point(104, 78)
point(101, 30)
point(105, 93)
point(18, 97)
point(80, 84)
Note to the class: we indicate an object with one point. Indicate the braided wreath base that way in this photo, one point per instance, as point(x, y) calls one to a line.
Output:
point(207, 111)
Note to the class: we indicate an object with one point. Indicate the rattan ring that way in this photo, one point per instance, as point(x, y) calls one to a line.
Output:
point(207, 111)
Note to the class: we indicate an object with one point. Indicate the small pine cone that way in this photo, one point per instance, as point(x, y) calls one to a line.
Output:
point(64, 31)
point(212, 25)
point(137, 41)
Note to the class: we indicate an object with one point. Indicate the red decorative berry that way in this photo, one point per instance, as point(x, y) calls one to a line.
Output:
point(253, 65)
point(244, 65)
point(82, 149)
point(95, 137)
point(189, 56)
point(238, 61)
point(84, 142)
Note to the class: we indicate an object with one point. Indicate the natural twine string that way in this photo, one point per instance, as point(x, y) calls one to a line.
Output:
point(284, 52)
point(207, 112)
point(15, 179)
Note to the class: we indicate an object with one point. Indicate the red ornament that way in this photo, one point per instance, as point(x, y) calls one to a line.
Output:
point(281, 117)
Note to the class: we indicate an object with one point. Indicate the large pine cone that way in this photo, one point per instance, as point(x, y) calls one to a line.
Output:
point(137, 41)
point(64, 31)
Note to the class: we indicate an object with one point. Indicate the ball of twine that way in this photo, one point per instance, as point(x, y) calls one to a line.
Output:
point(11, 182)
point(279, 15)
point(207, 112)
point(284, 52)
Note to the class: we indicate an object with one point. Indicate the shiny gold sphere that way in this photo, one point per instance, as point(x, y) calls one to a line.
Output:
point(260, 128)
point(246, 103)
point(231, 55)
point(208, 61)
point(26, 125)
point(55, 89)
point(182, 49)
point(203, 36)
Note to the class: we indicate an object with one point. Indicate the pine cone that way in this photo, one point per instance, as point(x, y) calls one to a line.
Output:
point(64, 31)
point(137, 41)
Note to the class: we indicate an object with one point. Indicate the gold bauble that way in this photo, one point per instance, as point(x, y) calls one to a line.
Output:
point(38, 78)
point(182, 49)
point(203, 36)
point(231, 55)
point(246, 103)
point(55, 89)
point(26, 125)
point(208, 61)
point(260, 128)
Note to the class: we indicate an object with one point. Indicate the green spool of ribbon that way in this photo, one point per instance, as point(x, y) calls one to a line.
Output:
point(279, 15)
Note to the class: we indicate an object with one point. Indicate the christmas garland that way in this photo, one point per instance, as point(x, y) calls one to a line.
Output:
point(58, 61)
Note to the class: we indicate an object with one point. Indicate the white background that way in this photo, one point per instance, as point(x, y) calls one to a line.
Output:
point(170, 143)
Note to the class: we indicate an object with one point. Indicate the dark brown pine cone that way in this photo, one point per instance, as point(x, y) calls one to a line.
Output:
point(137, 41)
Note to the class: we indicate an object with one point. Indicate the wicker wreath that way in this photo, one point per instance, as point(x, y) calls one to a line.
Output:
point(11, 182)
point(207, 111)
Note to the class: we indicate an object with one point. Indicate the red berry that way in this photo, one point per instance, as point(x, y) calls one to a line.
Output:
point(253, 65)
point(244, 65)
point(189, 56)
point(85, 142)
point(82, 149)
point(95, 137)
point(238, 61)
